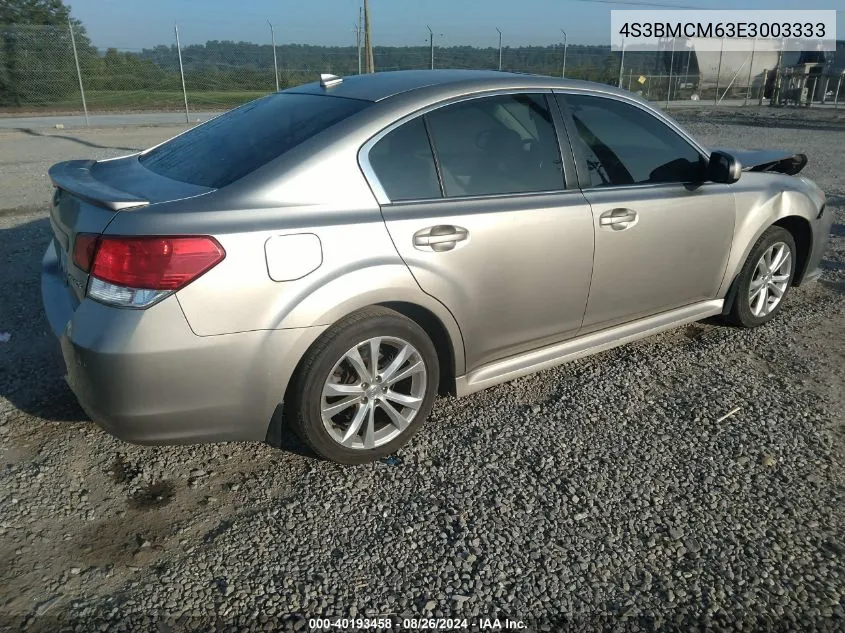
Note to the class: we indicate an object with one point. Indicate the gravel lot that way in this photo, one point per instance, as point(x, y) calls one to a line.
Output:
point(611, 492)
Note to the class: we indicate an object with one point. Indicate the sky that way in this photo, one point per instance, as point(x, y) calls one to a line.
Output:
point(136, 24)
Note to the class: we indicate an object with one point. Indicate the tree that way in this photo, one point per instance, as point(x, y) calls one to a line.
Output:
point(36, 58)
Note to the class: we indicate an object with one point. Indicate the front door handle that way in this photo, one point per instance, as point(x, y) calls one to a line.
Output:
point(443, 237)
point(618, 219)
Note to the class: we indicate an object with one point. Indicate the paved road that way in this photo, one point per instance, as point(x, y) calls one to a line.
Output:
point(103, 120)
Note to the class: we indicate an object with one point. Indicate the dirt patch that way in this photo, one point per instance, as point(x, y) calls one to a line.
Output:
point(155, 495)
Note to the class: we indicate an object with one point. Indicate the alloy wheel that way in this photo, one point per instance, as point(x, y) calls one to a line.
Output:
point(373, 393)
point(770, 279)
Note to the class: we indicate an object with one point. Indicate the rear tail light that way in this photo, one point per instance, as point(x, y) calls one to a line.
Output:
point(137, 271)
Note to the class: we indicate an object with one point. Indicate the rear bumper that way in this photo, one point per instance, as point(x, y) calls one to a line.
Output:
point(145, 377)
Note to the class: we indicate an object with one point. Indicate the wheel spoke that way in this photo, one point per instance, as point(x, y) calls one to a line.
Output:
point(780, 257)
point(415, 368)
point(354, 358)
point(334, 408)
point(761, 302)
point(396, 364)
point(396, 418)
point(412, 402)
point(775, 290)
point(337, 389)
point(780, 278)
point(356, 423)
point(375, 346)
point(370, 427)
point(766, 261)
point(756, 284)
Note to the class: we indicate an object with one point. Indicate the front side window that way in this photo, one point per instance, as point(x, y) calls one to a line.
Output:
point(496, 145)
point(237, 143)
point(625, 145)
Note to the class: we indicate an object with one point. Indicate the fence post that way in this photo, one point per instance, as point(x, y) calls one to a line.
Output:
point(719, 71)
point(671, 64)
point(762, 92)
point(621, 63)
point(78, 71)
point(275, 64)
point(836, 96)
point(182, 72)
point(750, 71)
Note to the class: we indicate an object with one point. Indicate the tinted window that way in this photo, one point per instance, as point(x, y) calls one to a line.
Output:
point(242, 140)
point(494, 145)
point(625, 145)
point(404, 164)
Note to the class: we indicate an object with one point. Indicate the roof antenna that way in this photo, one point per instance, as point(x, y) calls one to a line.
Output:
point(328, 80)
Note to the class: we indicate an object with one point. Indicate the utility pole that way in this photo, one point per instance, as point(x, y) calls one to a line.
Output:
point(565, 44)
point(500, 47)
point(275, 64)
point(358, 36)
point(431, 44)
point(368, 39)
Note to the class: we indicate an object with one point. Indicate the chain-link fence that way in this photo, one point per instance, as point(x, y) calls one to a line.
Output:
point(37, 68)
point(56, 69)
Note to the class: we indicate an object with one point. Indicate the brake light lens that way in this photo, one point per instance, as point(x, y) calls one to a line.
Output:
point(138, 271)
point(83, 250)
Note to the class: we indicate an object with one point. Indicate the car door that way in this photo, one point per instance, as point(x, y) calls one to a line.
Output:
point(662, 236)
point(474, 197)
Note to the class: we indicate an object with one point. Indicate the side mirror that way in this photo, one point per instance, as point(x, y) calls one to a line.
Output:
point(723, 168)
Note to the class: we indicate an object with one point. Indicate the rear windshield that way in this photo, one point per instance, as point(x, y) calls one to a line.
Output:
point(237, 143)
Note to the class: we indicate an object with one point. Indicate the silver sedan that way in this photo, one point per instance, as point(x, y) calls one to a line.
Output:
point(331, 257)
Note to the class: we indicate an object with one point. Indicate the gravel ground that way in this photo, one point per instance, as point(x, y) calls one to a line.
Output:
point(691, 480)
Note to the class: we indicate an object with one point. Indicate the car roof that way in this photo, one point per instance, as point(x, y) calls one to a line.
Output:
point(383, 85)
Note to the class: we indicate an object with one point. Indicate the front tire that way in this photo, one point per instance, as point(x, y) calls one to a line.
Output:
point(765, 279)
point(350, 409)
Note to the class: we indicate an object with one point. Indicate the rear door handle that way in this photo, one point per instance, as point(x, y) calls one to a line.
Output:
point(443, 237)
point(618, 219)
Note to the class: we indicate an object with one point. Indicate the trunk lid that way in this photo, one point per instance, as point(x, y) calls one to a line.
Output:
point(90, 193)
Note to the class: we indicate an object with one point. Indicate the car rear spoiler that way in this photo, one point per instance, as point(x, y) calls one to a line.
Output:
point(772, 160)
point(75, 177)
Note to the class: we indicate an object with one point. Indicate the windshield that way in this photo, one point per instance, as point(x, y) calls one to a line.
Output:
point(237, 143)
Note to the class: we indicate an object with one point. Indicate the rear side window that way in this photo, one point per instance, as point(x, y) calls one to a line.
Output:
point(237, 143)
point(404, 164)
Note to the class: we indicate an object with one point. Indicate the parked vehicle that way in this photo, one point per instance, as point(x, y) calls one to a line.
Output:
point(331, 256)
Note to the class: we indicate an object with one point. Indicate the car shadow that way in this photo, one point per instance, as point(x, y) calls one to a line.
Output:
point(30, 374)
point(74, 139)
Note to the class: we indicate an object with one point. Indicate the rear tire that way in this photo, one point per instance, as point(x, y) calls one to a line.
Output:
point(348, 413)
point(764, 280)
